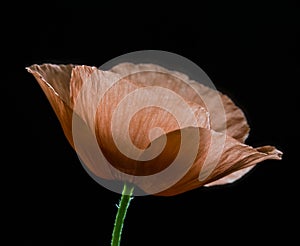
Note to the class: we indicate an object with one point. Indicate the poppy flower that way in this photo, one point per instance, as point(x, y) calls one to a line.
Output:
point(144, 118)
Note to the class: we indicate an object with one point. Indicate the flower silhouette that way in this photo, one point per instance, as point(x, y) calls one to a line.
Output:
point(145, 118)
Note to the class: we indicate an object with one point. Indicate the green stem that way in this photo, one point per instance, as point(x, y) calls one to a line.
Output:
point(122, 209)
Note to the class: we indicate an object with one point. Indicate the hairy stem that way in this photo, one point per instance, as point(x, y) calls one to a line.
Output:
point(121, 214)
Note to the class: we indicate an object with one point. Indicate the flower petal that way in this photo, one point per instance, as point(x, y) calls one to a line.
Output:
point(236, 122)
point(126, 116)
point(129, 117)
point(150, 74)
point(231, 177)
point(56, 77)
point(54, 81)
point(235, 156)
point(154, 75)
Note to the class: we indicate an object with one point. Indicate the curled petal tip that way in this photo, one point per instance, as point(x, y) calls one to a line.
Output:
point(271, 151)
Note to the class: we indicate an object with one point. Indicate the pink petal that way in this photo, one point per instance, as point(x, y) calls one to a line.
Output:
point(216, 103)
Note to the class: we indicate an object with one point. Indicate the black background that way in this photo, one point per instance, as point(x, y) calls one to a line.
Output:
point(249, 51)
